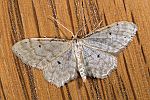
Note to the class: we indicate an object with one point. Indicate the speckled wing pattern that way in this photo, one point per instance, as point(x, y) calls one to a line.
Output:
point(59, 62)
point(101, 48)
point(54, 56)
point(98, 64)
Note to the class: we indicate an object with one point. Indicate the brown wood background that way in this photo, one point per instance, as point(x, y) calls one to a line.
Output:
point(21, 19)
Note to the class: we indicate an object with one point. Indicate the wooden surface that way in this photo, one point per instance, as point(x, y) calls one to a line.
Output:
point(21, 19)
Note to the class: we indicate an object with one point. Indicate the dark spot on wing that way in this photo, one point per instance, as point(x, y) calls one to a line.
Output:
point(98, 56)
point(58, 62)
point(109, 33)
point(40, 46)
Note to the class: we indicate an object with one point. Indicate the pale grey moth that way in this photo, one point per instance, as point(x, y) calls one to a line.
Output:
point(92, 55)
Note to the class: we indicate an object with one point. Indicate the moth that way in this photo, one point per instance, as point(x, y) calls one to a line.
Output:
point(95, 54)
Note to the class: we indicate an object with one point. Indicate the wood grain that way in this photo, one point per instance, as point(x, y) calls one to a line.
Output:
point(21, 19)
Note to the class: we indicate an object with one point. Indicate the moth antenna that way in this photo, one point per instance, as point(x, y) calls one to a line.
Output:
point(62, 25)
point(86, 24)
point(97, 25)
point(81, 28)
